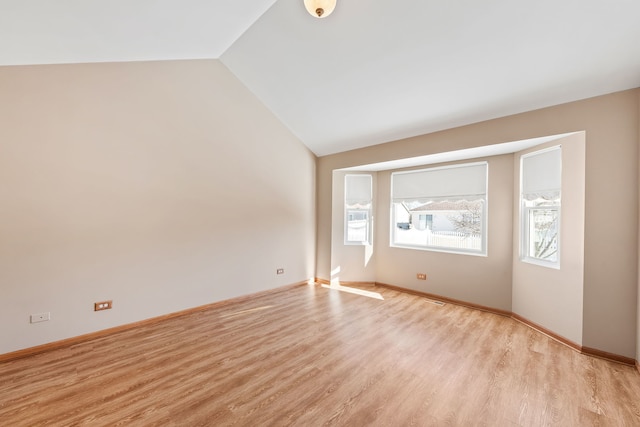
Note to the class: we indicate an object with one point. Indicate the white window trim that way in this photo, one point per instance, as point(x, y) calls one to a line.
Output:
point(368, 211)
point(524, 218)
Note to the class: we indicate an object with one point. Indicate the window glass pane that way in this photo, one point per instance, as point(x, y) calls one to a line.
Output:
point(543, 234)
point(357, 226)
point(440, 224)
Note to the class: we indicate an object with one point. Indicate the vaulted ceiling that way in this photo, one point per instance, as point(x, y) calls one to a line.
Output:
point(372, 72)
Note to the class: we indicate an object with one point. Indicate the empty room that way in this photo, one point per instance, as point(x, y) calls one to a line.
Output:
point(319, 212)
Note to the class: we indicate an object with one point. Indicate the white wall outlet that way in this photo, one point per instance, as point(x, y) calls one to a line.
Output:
point(40, 317)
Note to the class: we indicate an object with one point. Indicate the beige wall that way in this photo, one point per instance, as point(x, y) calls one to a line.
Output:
point(611, 241)
point(159, 185)
point(550, 297)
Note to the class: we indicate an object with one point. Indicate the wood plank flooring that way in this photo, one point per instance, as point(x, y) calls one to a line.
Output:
point(311, 356)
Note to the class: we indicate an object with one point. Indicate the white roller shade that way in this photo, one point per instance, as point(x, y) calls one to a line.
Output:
point(459, 181)
point(357, 189)
point(542, 174)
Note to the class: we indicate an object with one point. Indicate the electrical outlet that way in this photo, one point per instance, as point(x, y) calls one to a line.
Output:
point(421, 276)
point(280, 271)
point(40, 317)
point(102, 305)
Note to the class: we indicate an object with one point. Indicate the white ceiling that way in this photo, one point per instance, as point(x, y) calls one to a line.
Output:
point(372, 72)
point(73, 31)
point(457, 155)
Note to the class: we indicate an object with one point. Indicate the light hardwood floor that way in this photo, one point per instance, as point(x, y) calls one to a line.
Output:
point(311, 356)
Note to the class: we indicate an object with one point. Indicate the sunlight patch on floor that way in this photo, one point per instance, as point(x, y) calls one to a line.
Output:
point(355, 291)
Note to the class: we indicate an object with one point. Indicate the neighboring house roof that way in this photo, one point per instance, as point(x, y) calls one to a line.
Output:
point(359, 206)
point(441, 206)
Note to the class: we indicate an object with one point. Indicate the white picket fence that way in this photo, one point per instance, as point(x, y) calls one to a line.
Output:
point(452, 239)
point(438, 239)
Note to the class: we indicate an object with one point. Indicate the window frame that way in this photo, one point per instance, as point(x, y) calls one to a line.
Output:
point(527, 207)
point(484, 197)
point(368, 211)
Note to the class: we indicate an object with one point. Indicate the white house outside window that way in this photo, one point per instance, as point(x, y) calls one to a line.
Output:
point(442, 208)
point(541, 179)
point(358, 201)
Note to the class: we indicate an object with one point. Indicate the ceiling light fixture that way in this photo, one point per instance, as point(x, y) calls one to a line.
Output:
point(320, 8)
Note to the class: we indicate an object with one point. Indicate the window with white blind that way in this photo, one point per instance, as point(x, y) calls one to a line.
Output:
point(442, 208)
point(357, 202)
point(540, 183)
